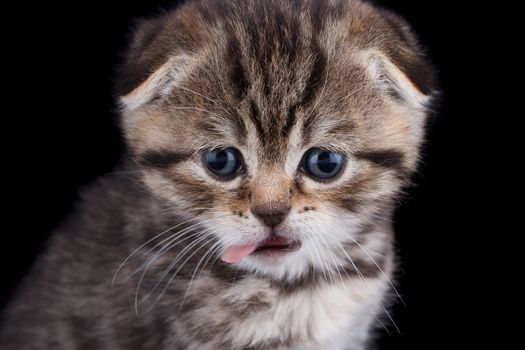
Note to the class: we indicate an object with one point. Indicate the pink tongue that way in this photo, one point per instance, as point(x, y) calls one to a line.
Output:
point(235, 254)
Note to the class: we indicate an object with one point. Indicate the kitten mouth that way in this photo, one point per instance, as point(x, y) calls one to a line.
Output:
point(278, 244)
point(273, 247)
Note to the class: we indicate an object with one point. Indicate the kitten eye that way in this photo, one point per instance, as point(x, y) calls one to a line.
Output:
point(222, 162)
point(321, 164)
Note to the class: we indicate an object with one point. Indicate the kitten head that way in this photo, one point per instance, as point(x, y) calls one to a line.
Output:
point(283, 129)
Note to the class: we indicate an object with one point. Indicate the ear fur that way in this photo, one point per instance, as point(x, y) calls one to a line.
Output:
point(394, 81)
point(401, 65)
point(138, 62)
point(171, 73)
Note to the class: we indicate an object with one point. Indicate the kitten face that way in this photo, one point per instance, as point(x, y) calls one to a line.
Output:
point(238, 113)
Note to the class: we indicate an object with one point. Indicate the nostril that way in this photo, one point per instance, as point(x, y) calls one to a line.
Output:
point(271, 215)
point(272, 220)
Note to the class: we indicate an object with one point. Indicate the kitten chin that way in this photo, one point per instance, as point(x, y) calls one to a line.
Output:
point(269, 142)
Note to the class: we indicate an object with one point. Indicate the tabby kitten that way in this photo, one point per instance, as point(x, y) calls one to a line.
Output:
point(269, 140)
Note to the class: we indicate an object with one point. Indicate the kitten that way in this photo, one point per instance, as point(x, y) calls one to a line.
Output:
point(269, 140)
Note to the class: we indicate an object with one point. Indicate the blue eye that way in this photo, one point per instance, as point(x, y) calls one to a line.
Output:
point(321, 164)
point(223, 162)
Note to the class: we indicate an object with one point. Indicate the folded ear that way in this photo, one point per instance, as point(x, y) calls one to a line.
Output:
point(160, 82)
point(138, 63)
point(400, 65)
point(157, 53)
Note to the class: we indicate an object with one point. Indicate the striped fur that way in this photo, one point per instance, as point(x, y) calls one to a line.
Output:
point(273, 79)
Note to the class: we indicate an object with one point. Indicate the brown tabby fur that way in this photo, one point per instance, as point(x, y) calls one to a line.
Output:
point(272, 78)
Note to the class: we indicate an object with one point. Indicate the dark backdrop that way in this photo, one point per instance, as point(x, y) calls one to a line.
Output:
point(65, 135)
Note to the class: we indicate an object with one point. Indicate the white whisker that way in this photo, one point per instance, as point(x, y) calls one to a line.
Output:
point(363, 278)
point(182, 265)
point(142, 246)
point(179, 256)
point(212, 250)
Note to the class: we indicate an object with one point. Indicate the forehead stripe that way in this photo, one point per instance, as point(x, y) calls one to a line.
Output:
point(316, 77)
point(237, 71)
point(290, 120)
point(389, 158)
point(255, 117)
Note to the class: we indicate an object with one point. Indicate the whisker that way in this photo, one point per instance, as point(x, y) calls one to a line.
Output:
point(201, 222)
point(361, 225)
point(182, 265)
point(379, 267)
point(142, 246)
point(175, 235)
point(212, 250)
point(373, 261)
point(150, 261)
point(330, 252)
point(179, 256)
point(156, 237)
point(316, 251)
point(363, 278)
point(183, 252)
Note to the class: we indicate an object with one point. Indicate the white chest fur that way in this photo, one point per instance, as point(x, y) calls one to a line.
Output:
point(332, 317)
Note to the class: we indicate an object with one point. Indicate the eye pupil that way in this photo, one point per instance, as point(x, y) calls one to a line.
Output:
point(218, 160)
point(326, 162)
point(322, 165)
point(223, 162)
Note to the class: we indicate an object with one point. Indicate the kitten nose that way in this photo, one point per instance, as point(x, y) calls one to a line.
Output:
point(271, 220)
point(271, 215)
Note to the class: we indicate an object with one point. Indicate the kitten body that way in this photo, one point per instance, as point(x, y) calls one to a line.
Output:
point(274, 81)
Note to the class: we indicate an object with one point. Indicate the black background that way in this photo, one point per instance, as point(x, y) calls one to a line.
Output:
point(65, 135)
